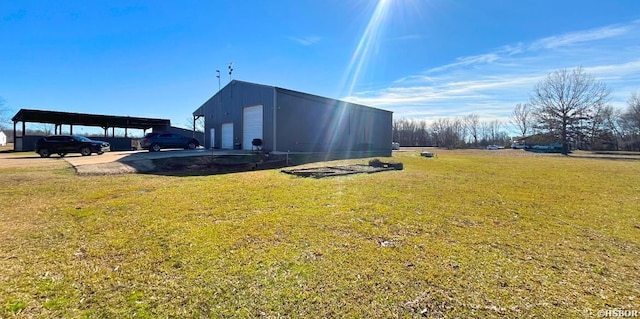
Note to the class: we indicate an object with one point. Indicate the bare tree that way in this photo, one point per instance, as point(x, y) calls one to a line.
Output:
point(494, 127)
point(521, 118)
point(410, 132)
point(632, 112)
point(199, 124)
point(45, 128)
point(472, 123)
point(564, 98)
point(612, 118)
point(630, 123)
point(597, 132)
point(5, 114)
point(447, 133)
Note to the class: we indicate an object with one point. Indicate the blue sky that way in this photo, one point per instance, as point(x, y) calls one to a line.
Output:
point(418, 58)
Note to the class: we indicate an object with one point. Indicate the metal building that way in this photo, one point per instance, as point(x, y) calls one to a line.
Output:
point(289, 121)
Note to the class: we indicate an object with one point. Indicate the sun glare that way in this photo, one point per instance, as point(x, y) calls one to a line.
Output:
point(366, 48)
point(368, 40)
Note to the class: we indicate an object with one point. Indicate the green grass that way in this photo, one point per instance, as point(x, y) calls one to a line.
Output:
point(467, 234)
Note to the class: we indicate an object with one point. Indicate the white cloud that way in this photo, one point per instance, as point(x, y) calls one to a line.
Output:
point(491, 84)
point(465, 61)
point(487, 58)
point(581, 37)
point(615, 70)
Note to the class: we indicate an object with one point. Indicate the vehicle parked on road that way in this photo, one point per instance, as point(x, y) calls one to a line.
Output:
point(65, 144)
point(154, 142)
point(519, 146)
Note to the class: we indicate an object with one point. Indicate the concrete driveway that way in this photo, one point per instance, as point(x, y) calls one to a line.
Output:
point(127, 156)
point(106, 164)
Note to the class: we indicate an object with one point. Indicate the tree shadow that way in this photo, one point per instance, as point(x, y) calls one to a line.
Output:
point(607, 157)
point(187, 169)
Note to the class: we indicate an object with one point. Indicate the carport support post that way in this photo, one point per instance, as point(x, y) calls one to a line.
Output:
point(15, 135)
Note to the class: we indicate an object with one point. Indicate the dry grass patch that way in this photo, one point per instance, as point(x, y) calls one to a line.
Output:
point(470, 233)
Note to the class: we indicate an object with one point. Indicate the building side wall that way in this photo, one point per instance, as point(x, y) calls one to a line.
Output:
point(117, 143)
point(227, 106)
point(307, 123)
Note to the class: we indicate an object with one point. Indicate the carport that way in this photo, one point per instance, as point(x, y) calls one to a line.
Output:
point(25, 142)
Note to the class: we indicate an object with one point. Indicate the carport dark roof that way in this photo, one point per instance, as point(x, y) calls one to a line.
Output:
point(104, 121)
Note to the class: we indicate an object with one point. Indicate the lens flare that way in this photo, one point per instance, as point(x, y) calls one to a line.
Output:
point(369, 39)
point(338, 133)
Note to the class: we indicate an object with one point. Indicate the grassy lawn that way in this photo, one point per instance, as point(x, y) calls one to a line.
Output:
point(467, 234)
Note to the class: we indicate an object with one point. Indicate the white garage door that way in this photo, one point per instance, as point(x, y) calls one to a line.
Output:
point(227, 135)
point(251, 125)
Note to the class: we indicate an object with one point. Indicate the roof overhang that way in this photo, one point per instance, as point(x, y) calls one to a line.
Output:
point(104, 121)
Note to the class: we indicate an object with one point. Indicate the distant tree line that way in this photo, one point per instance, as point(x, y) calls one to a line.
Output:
point(568, 106)
point(466, 132)
point(5, 115)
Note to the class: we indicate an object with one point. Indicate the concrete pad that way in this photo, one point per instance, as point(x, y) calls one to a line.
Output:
point(133, 161)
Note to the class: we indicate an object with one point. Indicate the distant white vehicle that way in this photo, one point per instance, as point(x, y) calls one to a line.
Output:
point(395, 146)
point(493, 147)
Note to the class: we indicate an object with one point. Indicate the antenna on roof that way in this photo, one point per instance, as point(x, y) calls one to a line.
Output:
point(230, 70)
point(218, 76)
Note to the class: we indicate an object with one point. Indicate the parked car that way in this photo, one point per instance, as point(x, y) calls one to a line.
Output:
point(154, 142)
point(493, 147)
point(518, 146)
point(395, 146)
point(65, 144)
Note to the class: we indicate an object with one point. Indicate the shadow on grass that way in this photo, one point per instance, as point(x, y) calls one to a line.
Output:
point(608, 157)
point(182, 171)
point(229, 163)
